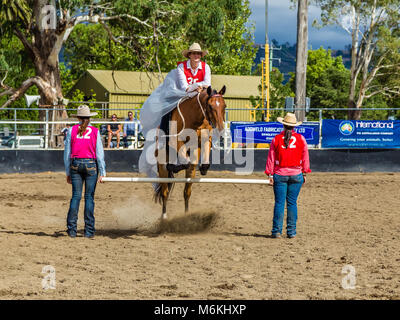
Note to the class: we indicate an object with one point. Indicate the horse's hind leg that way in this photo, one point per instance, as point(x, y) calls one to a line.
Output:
point(164, 195)
point(163, 192)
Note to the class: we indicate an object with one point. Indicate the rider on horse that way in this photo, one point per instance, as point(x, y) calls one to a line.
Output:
point(186, 81)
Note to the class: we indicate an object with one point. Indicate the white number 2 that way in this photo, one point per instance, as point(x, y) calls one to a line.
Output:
point(86, 135)
point(292, 143)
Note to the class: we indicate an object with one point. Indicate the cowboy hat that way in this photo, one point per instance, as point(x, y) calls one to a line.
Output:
point(84, 111)
point(289, 120)
point(195, 47)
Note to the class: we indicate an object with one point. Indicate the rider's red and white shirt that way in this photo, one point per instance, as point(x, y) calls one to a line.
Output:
point(201, 76)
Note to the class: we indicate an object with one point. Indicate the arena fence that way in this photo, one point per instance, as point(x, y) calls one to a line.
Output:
point(186, 180)
point(13, 121)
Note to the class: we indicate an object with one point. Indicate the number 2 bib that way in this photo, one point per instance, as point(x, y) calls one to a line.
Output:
point(84, 146)
point(291, 155)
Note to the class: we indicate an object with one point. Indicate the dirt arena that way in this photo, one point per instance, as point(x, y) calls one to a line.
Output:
point(221, 250)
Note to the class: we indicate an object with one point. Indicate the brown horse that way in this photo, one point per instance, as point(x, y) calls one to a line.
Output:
point(201, 114)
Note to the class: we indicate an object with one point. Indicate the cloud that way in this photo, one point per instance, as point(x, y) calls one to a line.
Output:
point(282, 25)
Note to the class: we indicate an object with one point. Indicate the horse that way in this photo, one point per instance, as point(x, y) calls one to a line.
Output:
point(201, 113)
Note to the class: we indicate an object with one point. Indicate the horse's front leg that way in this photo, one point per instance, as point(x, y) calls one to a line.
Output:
point(190, 173)
point(205, 149)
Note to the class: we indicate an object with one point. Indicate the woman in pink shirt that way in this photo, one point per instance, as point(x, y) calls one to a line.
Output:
point(287, 165)
point(84, 164)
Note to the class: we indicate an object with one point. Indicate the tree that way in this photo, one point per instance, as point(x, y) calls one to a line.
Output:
point(327, 82)
point(43, 29)
point(374, 28)
point(218, 25)
point(301, 57)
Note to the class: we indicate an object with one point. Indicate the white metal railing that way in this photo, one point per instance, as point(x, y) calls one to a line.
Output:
point(227, 143)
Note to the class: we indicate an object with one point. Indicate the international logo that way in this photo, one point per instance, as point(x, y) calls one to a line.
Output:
point(346, 127)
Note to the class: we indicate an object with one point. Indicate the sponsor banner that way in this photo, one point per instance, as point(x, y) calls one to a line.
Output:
point(360, 134)
point(264, 132)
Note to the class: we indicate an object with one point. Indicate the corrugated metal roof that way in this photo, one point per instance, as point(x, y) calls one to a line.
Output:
point(133, 82)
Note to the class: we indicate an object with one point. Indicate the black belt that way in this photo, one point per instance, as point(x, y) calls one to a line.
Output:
point(84, 159)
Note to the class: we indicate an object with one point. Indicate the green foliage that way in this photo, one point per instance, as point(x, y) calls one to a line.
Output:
point(219, 26)
point(278, 92)
point(327, 83)
point(15, 61)
point(13, 13)
point(378, 38)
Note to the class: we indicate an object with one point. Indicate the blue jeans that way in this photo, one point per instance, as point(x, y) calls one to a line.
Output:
point(125, 139)
point(82, 170)
point(286, 189)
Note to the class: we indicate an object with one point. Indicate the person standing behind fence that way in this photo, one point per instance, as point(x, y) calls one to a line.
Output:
point(84, 163)
point(287, 165)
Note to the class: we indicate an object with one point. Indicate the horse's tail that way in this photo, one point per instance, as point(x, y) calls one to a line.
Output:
point(158, 190)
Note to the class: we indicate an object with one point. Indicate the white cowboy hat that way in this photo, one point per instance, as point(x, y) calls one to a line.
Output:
point(84, 111)
point(289, 120)
point(195, 47)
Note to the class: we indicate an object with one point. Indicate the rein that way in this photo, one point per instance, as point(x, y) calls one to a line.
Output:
point(201, 108)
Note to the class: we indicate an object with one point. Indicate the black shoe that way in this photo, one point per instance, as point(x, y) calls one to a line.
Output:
point(89, 236)
point(275, 235)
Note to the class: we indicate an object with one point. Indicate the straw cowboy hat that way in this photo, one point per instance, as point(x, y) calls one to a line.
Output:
point(84, 111)
point(289, 120)
point(195, 47)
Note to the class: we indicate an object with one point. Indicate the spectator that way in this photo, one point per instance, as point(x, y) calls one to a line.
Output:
point(64, 131)
point(113, 129)
point(287, 165)
point(129, 128)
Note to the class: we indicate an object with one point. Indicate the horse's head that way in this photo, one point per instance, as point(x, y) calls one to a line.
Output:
point(216, 107)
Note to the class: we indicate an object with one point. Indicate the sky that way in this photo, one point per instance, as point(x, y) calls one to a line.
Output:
point(282, 25)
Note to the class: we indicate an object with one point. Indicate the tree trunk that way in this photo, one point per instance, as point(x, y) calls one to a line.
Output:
point(50, 100)
point(46, 45)
point(354, 114)
point(301, 58)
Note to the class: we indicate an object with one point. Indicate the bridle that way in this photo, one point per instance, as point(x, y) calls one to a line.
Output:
point(208, 105)
point(201, 108)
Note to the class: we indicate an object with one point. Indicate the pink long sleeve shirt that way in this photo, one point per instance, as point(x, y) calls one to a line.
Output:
point(272, 168)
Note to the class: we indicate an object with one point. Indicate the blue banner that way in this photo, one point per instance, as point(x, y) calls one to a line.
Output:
point(360, 134)
point(264, 132)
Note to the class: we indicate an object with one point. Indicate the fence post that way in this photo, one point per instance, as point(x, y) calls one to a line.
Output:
point(136, 142)
point(225, 135)
point(46, 131)
point(15, 128)
point(320, 128)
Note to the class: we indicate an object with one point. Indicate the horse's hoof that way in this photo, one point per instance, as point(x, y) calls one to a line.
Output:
point(176, 168)
point(164, 216)
point(204, 168)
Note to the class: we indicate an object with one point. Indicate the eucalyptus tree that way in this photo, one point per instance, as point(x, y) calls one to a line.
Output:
point(374, 28)
point(43, 27)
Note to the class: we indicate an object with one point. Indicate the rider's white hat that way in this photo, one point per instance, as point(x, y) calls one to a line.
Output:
point(195, 47)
